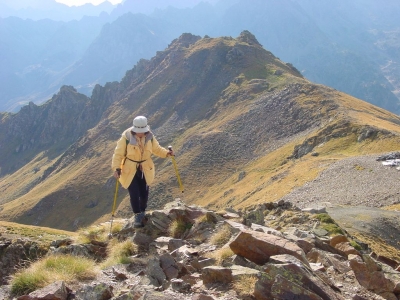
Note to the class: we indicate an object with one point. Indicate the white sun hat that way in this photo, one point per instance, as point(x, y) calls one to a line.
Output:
point(140, 125)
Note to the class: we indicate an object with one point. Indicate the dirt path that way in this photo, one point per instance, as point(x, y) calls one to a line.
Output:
point(356, 181)
point(354, 190)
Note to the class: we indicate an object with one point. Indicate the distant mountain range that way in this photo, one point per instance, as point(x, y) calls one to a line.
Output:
point(247, 128)
point(50, 9)
point(352, 46)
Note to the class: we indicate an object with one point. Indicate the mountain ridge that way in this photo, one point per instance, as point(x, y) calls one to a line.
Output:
point(352, 53)
point(230, 108)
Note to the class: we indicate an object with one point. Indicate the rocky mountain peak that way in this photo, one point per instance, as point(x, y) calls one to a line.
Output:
point(185, 40)
point(249, 38)
point(62, 119)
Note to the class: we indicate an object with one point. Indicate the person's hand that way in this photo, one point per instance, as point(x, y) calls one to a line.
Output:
point(117, 173)
point(170, 152)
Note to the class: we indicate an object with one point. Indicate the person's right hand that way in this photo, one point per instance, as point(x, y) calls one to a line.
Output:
point(117, 173)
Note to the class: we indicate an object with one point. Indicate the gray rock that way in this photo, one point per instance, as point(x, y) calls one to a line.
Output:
point(180, 286)
point(142, 240)
point(169, 266)
point(214, 274)
point(154, 272)
point(54, 291)
point(315, 210)
point(96, 291)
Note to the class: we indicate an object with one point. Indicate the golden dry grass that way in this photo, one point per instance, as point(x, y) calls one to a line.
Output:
point(220, 255)
point(379, 246)
point(37, 233)
point(221, 236)
point(244, 285)
point(178, 227)
point(71, 269)
point(119, 253)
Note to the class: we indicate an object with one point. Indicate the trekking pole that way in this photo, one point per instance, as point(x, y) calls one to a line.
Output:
point(113, 207)
point(176, 170)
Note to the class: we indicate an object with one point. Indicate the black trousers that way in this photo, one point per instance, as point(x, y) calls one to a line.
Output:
point(138, 192)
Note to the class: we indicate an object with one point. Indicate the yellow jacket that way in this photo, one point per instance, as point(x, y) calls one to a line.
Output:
point(127, 155)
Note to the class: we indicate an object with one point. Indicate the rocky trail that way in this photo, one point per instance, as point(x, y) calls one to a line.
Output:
point(273, 251)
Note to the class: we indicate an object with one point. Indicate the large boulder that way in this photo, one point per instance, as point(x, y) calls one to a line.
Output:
point(291, 281)
point(259, 246)
point(371, 275)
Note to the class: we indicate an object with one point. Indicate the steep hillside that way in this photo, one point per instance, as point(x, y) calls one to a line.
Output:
point(242, 122)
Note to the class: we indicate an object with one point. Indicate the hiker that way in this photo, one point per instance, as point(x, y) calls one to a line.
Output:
point(133, 166)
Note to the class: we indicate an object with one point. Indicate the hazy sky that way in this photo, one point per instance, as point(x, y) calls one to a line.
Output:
point(81, 2)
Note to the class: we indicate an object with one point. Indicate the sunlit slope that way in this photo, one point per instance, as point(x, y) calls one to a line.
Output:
point(347, 127)
point(244, 126)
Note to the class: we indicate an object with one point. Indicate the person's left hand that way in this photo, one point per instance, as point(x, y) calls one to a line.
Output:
point(171, 153)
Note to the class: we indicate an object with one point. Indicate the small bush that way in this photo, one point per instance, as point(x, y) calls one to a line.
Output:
point(178, 227)
point(52, 268)
point(119, 253)
point(244, 285)
point(221, 236)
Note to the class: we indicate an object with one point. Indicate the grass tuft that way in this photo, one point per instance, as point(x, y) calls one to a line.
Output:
point(244, 285)
point(220, 255)
point(119, 253)
point(178, 227)
point(92, 233)
point(221, 236)
point(50, 269)
point(28, 281)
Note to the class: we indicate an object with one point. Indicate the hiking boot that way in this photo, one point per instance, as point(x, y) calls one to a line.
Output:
point(138, 220)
